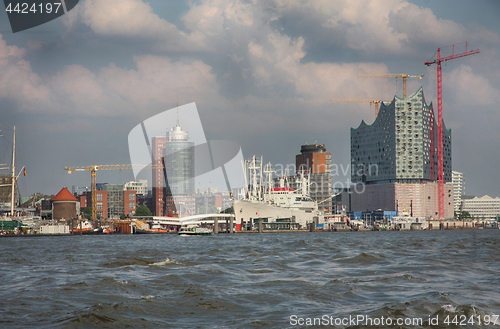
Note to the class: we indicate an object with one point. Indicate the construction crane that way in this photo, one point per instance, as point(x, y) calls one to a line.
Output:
point(95, 168)
point(357, 100)
point(392, 75)
point(438, 61)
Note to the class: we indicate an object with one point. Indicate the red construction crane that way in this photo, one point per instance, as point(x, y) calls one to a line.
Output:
point(438, 61)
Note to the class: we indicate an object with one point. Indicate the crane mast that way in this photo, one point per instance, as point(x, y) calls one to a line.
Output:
point(358, 100)
point(93, 181)
point(438, 62)
point(392, 75)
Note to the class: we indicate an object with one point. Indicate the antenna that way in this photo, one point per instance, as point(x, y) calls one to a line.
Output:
point(177, 113)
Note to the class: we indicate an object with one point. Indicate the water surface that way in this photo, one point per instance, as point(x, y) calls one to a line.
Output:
point(246, 280)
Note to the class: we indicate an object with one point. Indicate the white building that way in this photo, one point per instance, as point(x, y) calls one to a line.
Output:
point(140, 187)
point(457, 179)
point(485, 206)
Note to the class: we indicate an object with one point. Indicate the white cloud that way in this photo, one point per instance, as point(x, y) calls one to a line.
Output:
point(18, 82)
point(469, 88)
point(278, 62)
point(421, 25)
point(116, 91)
point(214, 22)
point(110, 91)
point(161, 79)
point(131, 18)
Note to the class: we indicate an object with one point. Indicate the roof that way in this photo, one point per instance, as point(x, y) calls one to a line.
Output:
point(64, 195)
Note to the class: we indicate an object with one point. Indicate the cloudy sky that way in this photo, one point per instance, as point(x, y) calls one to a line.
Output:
point(262, 74)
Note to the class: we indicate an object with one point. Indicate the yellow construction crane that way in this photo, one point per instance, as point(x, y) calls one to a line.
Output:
point(357, 100)
point(95, 168)
point(391, 75)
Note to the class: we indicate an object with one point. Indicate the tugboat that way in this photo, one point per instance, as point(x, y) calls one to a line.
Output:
point(85, 228)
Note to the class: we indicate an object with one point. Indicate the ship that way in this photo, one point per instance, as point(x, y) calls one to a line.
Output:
point(155, 229)
point(85, 227)
point(194, 230)
point(273, 199)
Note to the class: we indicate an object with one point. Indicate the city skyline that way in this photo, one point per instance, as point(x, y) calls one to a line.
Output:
point(261, 75)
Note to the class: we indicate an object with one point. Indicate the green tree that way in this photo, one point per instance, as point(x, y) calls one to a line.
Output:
point(143, 211)
point(229, 210)
point(464, 215)
point(87, 212)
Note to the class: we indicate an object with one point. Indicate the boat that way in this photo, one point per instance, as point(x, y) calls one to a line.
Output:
point(194, 230)
point(143, 227)
point(276, 199)
point(151, 231)
point(107, 230)
point(86, 228)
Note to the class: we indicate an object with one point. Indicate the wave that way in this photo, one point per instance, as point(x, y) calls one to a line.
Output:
point(167, 261)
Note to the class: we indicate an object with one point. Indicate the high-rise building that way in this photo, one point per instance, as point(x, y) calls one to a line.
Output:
point(179, 168)
point(140, 187)
point(158, 180)
point(315, 160)
point(174, 194)
point(395, 159)
point(457, 179)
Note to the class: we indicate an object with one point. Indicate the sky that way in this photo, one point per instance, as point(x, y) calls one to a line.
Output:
point(261, 73)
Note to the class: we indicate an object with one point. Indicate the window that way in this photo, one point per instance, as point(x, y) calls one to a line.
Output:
point(99, 197)
point(131, 196)
point(131, 205)
point(98, 205)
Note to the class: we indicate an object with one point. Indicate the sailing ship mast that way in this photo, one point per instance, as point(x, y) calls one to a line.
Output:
point(13, 175)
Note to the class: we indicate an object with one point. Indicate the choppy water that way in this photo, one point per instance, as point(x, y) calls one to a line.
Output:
point(247, 280)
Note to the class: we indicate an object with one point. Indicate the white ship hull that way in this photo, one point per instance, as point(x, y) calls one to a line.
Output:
point(248, 210)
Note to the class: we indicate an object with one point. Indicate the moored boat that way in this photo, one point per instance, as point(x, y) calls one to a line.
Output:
point(85, 228)
point(152, 231)
point(194, 230)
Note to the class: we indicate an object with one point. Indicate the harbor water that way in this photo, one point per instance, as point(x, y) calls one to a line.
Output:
point(268, 280)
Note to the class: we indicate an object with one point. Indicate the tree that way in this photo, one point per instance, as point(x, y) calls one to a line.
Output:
point(464, 215)
point(87, 212)
point(229, 210)
point(143, 211)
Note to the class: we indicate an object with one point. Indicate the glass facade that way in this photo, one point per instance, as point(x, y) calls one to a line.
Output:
point(401, 145)
point(115, 200)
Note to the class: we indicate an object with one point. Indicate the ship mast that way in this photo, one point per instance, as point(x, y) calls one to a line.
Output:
point(13, 175)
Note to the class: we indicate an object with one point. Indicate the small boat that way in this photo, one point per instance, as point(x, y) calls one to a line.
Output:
point(155, 228)
point(107, 230)
point(194, 230)
point(151, 231)
point(85, 228)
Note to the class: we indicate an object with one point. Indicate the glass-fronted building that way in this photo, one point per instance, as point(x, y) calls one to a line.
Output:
point(394, 161)
point(401, 145)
